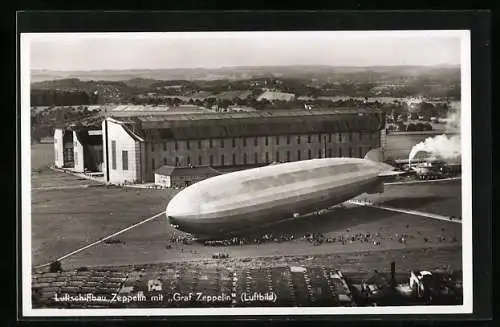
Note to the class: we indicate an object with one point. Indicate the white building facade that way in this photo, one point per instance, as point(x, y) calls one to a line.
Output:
point(78, 154)
point(58, 148)
point(136, 147)
point(123, 150)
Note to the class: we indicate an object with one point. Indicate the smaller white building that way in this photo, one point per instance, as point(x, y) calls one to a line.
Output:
point(171, 176)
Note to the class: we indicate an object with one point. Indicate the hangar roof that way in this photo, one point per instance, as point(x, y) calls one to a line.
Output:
point(126, 110)
point(186, 171)
point(166, 119)
point(240, 124)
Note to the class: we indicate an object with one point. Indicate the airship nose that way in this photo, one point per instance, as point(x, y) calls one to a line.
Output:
point(182, 206)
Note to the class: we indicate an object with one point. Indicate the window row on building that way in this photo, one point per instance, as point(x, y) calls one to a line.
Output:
point(258, 158)
point(245, 159)
point(266, 140)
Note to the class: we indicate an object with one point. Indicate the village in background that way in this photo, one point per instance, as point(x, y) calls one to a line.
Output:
point(416, 103)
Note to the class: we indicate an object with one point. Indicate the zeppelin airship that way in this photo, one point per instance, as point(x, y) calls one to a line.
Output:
point(234, 202)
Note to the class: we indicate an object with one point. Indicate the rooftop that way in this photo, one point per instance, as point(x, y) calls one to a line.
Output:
point(140, 110)
point(89, 123)
point(146, 116)
point(258, 123)
point(186, 171)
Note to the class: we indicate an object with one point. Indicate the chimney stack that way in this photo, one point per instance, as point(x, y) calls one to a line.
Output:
point(393, 275)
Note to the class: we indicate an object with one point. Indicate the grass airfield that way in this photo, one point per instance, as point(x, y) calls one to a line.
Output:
point(66, 219)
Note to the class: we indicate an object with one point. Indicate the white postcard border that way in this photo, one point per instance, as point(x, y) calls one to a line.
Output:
point(25, 164)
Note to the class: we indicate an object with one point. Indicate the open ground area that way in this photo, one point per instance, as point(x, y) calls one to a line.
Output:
point(440, 197)
point(67, 219)
point(42, 155)
point(71, 216)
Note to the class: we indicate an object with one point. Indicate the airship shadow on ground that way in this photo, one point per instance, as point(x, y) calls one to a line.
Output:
point(335, 220)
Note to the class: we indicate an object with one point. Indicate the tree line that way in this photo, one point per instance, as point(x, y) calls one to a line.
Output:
point(43, 123)
point(62, 98)
point(402, 127)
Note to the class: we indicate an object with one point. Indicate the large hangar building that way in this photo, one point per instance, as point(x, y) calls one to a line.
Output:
point(136, 144)
point(78, 149)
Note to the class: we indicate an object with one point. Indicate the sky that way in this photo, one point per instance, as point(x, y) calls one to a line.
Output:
point(118, 51)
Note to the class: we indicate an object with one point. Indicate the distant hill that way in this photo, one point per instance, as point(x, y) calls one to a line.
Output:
point(75, 83)
point(140, 77)
point(113, 86)
point(141, 83)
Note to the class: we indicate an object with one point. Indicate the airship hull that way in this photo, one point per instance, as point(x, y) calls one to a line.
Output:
point(242, 219)
point(238, 201)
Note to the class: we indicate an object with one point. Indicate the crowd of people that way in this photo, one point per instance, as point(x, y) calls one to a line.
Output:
point(181, 239)
point(256, 240)
point(316, 238)
point(319, 238)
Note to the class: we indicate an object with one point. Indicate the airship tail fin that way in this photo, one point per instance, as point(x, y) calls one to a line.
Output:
point(375, 155)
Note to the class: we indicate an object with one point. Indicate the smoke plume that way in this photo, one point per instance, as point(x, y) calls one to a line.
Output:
point(443, 147)
point(453, 121)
